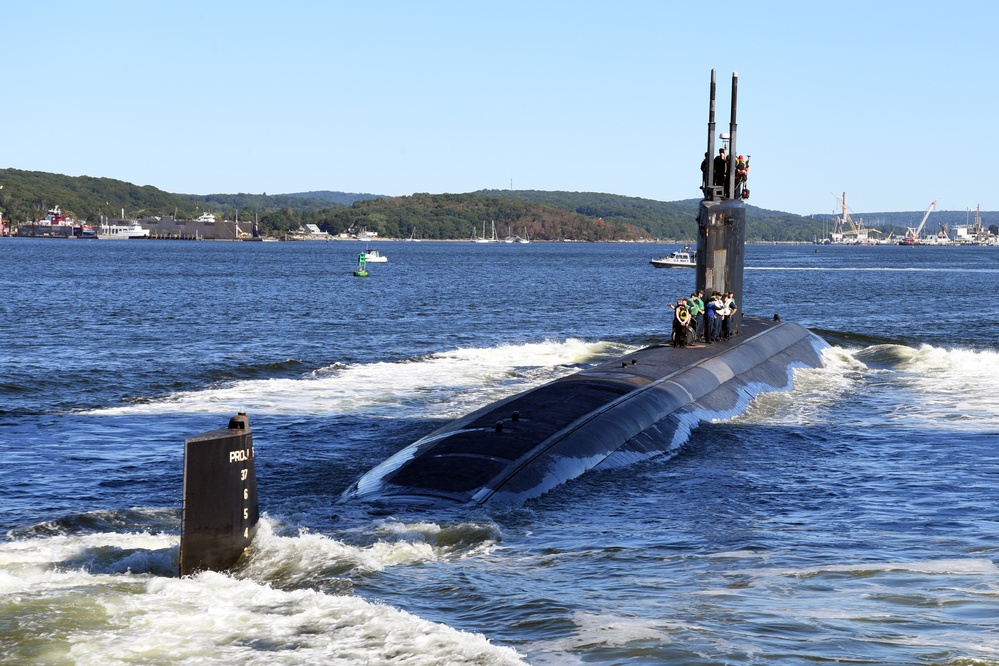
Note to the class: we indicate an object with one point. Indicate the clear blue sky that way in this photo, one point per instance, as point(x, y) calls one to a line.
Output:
point(886, 101)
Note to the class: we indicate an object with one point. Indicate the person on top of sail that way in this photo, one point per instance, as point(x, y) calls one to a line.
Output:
point(720, 166)
point(741, 174)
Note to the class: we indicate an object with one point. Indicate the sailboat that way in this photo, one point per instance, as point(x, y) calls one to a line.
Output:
point(524, 238)
point(483, 239)
point(412, 238)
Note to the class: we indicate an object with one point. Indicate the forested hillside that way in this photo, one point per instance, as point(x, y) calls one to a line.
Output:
point(460, 216)
point(312, 201)
point(583, 216)
point(667, 219)
point(28, 195)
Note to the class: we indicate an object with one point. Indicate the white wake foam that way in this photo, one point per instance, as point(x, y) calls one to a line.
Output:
point(85, 615)
point(937, 388)
point(438, 386)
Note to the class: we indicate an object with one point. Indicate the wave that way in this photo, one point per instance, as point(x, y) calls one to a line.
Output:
point(442, 385)
point(259, 370)
point(926, 387)
point(102, 520)
point(280, 554)
point(306, 559)
point(95, 595)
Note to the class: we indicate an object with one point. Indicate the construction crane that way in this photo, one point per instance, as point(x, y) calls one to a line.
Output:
point(841, 222)
point(858, 232)
point(912, 235)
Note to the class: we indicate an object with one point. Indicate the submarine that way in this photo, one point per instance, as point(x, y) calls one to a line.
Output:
point(620, 412)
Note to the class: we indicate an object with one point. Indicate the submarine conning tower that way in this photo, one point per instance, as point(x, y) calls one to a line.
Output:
point(721, 218)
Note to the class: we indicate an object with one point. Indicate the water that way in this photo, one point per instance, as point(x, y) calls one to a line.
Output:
point(850, 520)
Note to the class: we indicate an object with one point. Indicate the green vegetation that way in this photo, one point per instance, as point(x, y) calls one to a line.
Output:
point(582, 216)
point(28, 195)
point(313, 201)
point(460, 216)
point(675, 220)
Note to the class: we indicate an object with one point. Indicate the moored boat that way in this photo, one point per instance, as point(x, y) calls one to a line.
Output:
point(122, 230)
point(54, 225)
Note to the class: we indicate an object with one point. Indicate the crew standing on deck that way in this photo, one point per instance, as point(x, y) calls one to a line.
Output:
point(710, 316)
point(716, 306)
point(696, 307)
point(681, 322)
point(730, 308)
point(725, 313)
point(702, 323)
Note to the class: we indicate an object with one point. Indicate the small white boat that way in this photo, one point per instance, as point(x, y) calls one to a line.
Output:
point(122, 230)
point(373, 257)
point(684, 258)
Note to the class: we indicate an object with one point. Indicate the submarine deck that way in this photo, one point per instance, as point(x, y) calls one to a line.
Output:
point(521, 444)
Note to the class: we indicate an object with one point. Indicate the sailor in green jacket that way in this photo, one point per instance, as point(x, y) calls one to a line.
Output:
point(696, 306)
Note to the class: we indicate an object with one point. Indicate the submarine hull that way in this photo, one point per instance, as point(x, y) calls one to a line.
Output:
point(636, 407)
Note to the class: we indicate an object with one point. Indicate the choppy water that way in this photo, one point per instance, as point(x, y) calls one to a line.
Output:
point(850, 520)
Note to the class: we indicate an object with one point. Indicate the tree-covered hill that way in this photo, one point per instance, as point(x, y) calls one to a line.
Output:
point(338, 198)
point(461, 216)
point(260, 202)
point(27, 195)
point(668, 219)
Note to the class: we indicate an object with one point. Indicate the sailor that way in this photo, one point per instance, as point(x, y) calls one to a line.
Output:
point(725, 313)
point(710, 317)
point(721, 165)
point(741, 174)
point(714, 309)
point(681, 322)
point(728, 323)
point(702, 327)
point(696, 307)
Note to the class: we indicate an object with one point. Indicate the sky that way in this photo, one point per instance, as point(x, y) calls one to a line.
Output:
point(885, 101)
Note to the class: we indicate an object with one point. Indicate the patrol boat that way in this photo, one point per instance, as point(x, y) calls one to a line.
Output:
point(684, 258)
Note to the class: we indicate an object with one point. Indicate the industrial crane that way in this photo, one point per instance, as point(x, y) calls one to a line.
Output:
point(912, 235)
point(860, 234)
